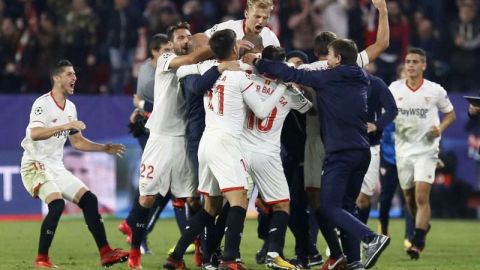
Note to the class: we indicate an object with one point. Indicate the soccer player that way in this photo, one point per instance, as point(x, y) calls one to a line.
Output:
point(164, 165)
point(255, 22)
point(344, 133)
point(53, 119)
point(260, 145)
point(222, 167)
point(381, 112)
point(418, 130)
point(143, 102)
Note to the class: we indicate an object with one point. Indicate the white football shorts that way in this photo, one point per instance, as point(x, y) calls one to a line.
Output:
point(221, 164)
point(417, 168)
point(267, 174)
point(165, 167)
point(372, 177)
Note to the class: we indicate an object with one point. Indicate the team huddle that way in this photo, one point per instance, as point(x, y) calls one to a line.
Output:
point(216, 104)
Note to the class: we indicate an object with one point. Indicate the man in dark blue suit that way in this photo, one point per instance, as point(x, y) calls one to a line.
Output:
point(342, 101)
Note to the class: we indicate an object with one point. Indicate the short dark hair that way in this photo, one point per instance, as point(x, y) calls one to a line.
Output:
point(347, 49)
point(222, 43)
point(173, 28)
point(320, 45)
point(300, 54)
point(157, 41)
point(274, 53)
point(418, 51)
point(59, 66)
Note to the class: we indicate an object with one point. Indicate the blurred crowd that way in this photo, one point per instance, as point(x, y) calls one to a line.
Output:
point(106, 40)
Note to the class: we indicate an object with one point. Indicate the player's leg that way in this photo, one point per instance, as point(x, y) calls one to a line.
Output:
point(195, 225)
point(263, 218)
point(38, 185)
point(237, 198)
point(368, 186)
point(424, 177)
point(154, 179)
point(389, 183)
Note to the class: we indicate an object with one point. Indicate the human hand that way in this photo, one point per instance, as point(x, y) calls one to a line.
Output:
point(75, 125)
point(473, 110)
point(136, 101)
point(249, 58)
point(245, 45)
point(115, 149)
point(434, 132)
point(379, 4)
point(371, 127)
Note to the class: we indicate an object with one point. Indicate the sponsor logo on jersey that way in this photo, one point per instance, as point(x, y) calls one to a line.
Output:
point(419, 112)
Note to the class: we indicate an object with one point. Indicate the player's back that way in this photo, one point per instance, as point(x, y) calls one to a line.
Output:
point(264, 135)
point(225, 109)
point(169, 113)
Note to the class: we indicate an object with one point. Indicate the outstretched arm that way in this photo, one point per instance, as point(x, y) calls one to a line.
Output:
point(289, 74)
point(83, 144)
point(383, 32)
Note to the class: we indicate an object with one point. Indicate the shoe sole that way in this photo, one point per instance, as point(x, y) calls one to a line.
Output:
point(370, 263)
point(121, 260)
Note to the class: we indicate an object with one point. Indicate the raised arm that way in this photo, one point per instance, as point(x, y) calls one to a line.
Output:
point(262, 109)
point(383, 32)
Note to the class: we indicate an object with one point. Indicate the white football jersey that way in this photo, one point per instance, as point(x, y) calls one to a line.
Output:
point(417, 113)
point(264, 135)
point(169, 113)
point(225, 109)
point(268, 37)
point(46, 112)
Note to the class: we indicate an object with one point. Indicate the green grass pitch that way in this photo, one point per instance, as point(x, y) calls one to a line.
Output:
point(451, 245)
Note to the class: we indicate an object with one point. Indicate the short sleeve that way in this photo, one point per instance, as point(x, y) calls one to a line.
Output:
point(362, 59)
point(217, 27)
point(163, 62)
point(38, 115)
point(443, 102)
point(297, 100)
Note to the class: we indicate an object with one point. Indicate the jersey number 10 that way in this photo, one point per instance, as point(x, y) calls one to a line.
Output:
point(253, 121)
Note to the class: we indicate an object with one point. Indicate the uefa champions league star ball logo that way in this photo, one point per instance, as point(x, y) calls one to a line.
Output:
point(38, 110)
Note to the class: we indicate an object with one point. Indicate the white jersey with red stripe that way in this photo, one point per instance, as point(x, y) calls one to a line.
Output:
point(417, 113)
point(268, 37)
point(264, 135)
point(168, 115)
point(46, 112)
point(225, 108)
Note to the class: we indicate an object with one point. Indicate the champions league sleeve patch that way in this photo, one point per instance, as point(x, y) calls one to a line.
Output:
point(38, 110)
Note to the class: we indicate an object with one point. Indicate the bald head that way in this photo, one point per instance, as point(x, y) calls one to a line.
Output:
point(197, 41)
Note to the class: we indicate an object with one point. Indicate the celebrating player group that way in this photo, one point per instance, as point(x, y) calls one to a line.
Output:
point(218, 106)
